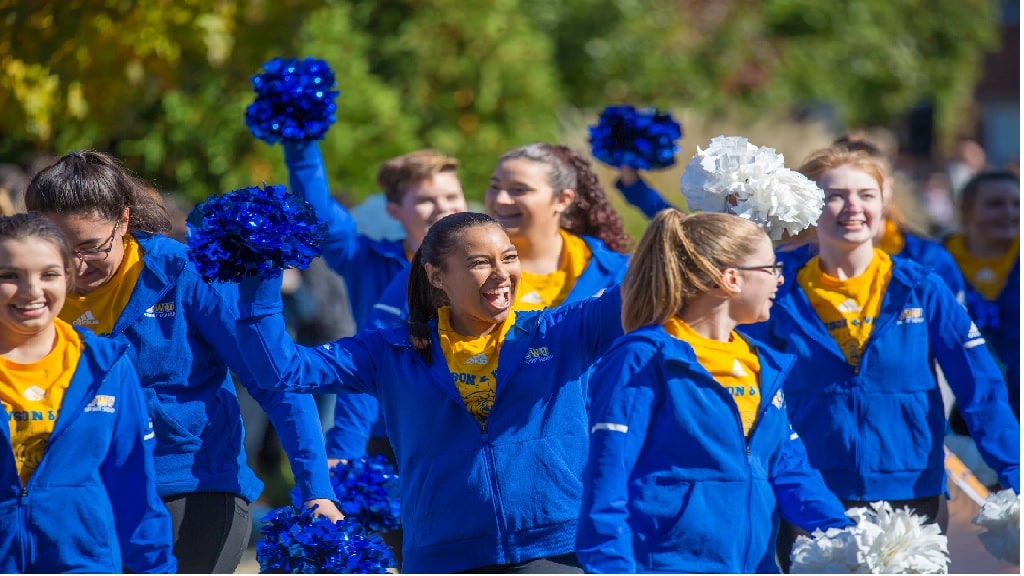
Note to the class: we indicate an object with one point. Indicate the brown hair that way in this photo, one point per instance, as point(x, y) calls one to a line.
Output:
point(679, 258)
point(398, 174)
point(591, 214)
point(94, 183)
point(34, 225)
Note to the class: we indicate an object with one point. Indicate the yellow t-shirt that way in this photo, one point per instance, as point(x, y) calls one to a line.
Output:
point(32, 395)
point(473, 362)
point(733, 364)
point(891, 241)
point(848, 308)
point(537, 291)
point(986, 275)
point(100, 309)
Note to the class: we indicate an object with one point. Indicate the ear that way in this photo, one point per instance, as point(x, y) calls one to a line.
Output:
point(564, 199)
point(392, 209)
point(731, 281)
point(125, 214)
point(434, 275)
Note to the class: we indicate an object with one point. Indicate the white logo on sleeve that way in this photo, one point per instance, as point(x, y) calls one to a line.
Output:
point(974, 337)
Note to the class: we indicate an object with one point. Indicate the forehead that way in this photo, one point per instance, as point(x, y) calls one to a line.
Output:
point(442, 183)
point(483, 238)
point(520, 169)
point(82, 227)
point(999, 189)
point(848, 177)
point(29, 253)
point(762, 249)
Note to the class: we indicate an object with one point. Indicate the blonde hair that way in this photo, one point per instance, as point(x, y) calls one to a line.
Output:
point(680, 258)
point(398, 174)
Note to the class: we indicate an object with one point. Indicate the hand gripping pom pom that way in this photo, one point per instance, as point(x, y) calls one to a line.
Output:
point(882, 542)
point(297, 542)
point(294, 100)
point(253, 232)
point(1000, 516)
point(732, 175)
point(367, 492)
point(641, 139)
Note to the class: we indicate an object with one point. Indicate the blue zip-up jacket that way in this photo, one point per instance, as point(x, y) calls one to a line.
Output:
point(672, 484)
point(470, 497)
point(91, 505)
point(875, 431)
point(367, 266)
point(353, 426)
point(181, 332)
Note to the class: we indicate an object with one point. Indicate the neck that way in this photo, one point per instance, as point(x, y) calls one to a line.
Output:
point(467, 326)
point(539, 252)
point(26, 349)
point(844, 263)
point(709, 316)
point(412, 242)
point(986, 248)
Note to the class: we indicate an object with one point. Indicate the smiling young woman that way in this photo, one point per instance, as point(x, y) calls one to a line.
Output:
point(485, 405)
point(865, 328)
point(79, 488)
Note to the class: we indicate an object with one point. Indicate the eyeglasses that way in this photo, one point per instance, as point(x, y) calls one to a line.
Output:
point(774, 268)
point(92, 254)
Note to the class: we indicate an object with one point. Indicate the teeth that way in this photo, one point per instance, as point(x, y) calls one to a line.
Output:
point(30, 307)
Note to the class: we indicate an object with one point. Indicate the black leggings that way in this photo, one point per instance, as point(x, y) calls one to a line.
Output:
point(211, 531)
point(563, 564)
point(935, 509)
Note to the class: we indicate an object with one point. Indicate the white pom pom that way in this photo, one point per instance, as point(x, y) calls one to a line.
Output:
point(882, 542)
point(373, 220)
point(1000, 516)
point(733, 175)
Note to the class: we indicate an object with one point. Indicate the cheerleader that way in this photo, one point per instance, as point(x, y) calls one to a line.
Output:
point(866, 328)
point(692, 458)
point(79, 490)
point(136, 285)
point(485, 405)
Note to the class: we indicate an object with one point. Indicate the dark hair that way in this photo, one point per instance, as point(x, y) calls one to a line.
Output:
point(95, 183)
point(970, 190)
point(591, 214)
point(424, 298)
point(34, 225)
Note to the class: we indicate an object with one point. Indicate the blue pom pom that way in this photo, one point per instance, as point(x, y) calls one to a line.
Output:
point(297, 542)
point(294, 100)
point(253, 232)
point(642, 139)
point(367, 490)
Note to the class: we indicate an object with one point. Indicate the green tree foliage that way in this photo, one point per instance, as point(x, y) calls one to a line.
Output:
point(164, 83)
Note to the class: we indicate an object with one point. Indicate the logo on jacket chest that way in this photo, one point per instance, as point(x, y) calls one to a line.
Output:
point(535, 355)
point(161, 310)
point(101, 403)
point(911, 316)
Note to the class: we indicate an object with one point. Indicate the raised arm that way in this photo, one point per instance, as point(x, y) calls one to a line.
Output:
point(637, 192)
point(307, 176)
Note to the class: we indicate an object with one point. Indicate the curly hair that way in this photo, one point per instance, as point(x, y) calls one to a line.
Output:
point(591, 213)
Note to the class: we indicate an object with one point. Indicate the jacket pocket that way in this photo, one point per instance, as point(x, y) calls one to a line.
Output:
point(177, 426)
point(903, 432)
point(828, 426)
